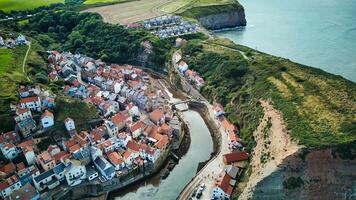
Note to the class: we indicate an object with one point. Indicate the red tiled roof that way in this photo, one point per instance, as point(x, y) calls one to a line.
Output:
point(60, 155)
point(227, 125)
point(165, 128)
point(8, 168)
point(156, 115)
point(162, 142)
point(235, 156)
point(10, 136)
point(21, 111)
point(47, 114)
point(127, 154)
point(118, 118)
point(133, 146)
point(20, 166)
point(137, 125)
point(3, 185)
point(45, 156)
point(69, 143)
point(225, 184)
point(29, 99)
point(115, 158)
point(74, 148)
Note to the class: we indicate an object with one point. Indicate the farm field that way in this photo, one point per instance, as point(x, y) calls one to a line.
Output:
point(134, 11)
point(8, 5)
point(125, 13)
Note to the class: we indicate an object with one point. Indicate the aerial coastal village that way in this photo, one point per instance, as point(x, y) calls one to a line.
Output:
point(177, 99)
point(137, 128)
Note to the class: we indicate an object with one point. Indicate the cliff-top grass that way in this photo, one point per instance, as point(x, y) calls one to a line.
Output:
point(89, 2)
point(182, 5)
point(9, 5)
point(318, 107)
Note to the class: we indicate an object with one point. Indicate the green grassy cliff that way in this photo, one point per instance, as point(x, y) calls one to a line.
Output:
point(319, 107)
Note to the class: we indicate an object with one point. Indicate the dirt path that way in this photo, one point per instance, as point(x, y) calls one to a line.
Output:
point(25, 59)
point(273, 144)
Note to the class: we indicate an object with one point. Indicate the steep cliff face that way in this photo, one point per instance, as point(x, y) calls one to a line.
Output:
point(223, 20)
point(218, 16)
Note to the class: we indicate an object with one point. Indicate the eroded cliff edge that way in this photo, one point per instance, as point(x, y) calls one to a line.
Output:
point(215, 17)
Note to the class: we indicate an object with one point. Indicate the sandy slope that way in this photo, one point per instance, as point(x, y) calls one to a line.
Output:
point(274, 141)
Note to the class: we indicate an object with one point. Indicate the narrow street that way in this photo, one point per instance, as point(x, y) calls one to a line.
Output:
point(215, 166)
point(209, 172)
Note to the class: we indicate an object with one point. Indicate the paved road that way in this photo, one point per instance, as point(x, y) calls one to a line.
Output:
point(208, 173)
point(79, 76)
point(214, 167)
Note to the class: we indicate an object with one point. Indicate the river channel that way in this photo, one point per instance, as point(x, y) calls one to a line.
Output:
point(201, 147)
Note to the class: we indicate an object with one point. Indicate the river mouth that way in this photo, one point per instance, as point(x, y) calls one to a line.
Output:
point(200, 150)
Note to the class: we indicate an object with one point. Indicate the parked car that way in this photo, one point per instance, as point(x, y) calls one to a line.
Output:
point(199, 195)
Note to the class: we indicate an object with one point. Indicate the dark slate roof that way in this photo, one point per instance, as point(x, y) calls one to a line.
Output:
point(100, 162)
point(44, 175)
point(59, 168)
point(109, 171)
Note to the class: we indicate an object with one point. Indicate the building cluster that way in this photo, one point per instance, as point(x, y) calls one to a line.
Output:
point(227, 179)
point(138, 123)
point(170, 26)
point(18, 145)
point(137, 128)
point(11, 41)
point(192, 76)
point(33, 101)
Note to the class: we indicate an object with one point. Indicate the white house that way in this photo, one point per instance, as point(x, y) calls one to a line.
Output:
point(117, 87)
point(69, 124)
point(137, 129)
point(47, 119)
point(45, 180)
point(59, 171)
point(74, 172)
point(7, 187)
point(33, 103)
point(22, 114)
point(9, 150)
point(153, 154)
point(182, 66)
point(177, 57)
point(105, 168)
point(92, 174)
point(111, 128)
point(129, 157)
point(28, 149)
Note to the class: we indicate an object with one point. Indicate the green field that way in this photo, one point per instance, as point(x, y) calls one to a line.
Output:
point(10, 75)
point(8, 5)
point(88, 2)
point(5, 60)
point(182, 5)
